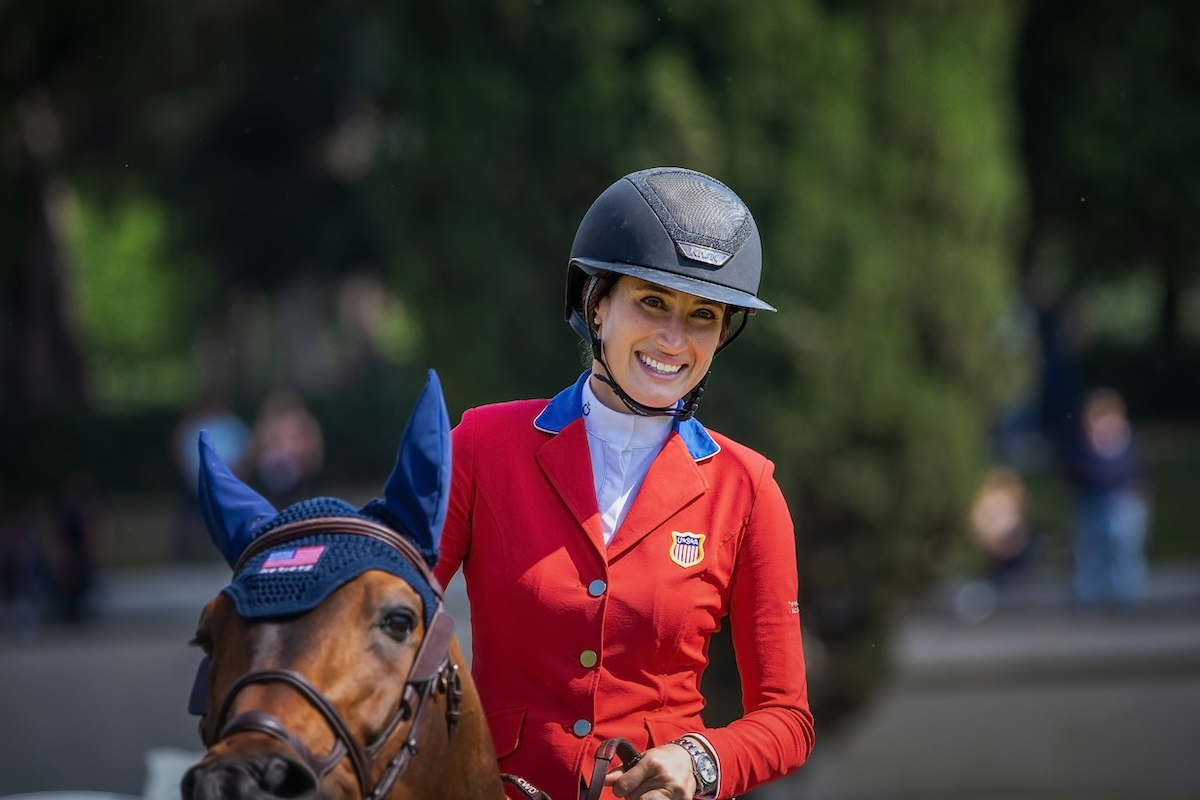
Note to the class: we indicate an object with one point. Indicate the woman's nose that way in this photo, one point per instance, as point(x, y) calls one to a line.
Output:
point(672, 336)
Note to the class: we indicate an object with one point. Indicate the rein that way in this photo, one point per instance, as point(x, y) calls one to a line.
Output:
point(431, 673)
point(609, 749)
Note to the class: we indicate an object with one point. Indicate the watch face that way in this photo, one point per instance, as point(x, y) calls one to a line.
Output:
point(706, 769)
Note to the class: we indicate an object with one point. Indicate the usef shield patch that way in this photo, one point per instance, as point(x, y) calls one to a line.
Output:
point(687, 549)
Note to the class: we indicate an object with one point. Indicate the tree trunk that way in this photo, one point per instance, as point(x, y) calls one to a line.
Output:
point(45, 366)
point(1170, 259)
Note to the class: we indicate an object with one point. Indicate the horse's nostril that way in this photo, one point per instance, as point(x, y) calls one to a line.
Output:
point(286, 778)
point(188, 784)
point(256, 777)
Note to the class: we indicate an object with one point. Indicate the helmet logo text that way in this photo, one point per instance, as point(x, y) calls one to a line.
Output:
point(706, 254)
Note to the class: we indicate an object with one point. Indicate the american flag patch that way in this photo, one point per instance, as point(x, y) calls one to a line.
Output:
point(292, 559)
point(687, 549)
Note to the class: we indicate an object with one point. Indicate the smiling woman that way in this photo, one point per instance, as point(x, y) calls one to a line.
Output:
point(612, 534)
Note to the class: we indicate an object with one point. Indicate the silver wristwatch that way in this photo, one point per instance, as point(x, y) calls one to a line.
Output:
point(703, 766)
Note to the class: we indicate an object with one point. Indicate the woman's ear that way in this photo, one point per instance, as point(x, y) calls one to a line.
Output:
point(600, 309)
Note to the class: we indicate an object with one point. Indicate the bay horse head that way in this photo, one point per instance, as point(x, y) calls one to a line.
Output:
point(331, 669)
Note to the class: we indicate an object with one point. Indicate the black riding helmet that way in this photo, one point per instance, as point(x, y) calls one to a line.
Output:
point(677, 228)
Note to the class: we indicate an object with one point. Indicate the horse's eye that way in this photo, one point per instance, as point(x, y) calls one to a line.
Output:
point(398, 624)
point(204, 641)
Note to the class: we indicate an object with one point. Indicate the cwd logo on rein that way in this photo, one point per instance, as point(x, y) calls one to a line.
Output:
point(292, 559)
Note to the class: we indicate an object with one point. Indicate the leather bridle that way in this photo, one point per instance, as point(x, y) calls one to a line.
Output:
point(431, 673)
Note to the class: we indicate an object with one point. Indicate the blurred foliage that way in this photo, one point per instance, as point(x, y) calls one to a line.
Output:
point(238, 166)
point(1112, 140)
point(138, 303)
point(1111, 116)
point(119, 450)
point(1175, 470)
point(875, 146)
point(1126, 309)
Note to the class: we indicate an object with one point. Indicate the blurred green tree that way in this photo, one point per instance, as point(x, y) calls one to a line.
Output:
point(458, 144)
point(1112, 143)
point(137, 302)
point(57, 94)
point(875, 143)
point(220, 141)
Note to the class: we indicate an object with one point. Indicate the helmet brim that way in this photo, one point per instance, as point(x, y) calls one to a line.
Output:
point(680, 283)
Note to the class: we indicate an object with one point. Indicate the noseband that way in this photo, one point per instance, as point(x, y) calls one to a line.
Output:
point(431, 673)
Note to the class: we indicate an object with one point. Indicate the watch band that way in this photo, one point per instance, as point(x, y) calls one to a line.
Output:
point(703, 767)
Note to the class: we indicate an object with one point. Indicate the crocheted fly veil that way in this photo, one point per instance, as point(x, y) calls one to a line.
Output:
point(297, 575)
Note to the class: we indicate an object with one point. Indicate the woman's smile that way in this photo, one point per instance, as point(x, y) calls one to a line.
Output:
point(658, 366)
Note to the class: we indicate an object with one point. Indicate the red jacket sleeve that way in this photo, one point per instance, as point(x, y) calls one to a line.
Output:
point(775, 735)
point(456, 533)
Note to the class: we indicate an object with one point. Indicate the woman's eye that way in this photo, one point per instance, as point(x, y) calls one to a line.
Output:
point(653, 301)
point(398, 625)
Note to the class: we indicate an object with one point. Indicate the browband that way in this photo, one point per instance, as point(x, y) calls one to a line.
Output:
point(294, 530)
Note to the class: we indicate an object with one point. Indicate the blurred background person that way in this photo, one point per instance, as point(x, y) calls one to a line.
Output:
point(231, 438)
point(25, 584)
point(1111, 512)
point(999, 528)
point(288, 447)
point(1062, 334)
point(79, 526)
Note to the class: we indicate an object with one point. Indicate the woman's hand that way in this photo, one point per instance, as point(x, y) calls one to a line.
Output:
point(664, 773)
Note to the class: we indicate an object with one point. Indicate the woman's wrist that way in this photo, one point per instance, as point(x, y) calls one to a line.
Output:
point(705, 766)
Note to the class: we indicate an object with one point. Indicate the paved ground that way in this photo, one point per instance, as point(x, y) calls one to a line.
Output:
point(1032, 702)
point(1035, 701)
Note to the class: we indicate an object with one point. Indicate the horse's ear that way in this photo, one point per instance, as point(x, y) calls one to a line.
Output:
point(418, 490)
point(232, 510)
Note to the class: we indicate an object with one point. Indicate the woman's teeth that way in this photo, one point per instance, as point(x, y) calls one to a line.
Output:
point(658, 366)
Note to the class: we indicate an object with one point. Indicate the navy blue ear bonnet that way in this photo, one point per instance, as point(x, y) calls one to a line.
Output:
point(296, 576)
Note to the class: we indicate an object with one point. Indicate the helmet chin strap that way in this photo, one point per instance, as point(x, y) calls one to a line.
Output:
point(691, 400)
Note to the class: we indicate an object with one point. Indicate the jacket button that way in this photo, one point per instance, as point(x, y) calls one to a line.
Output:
point(588, 658)
point(581, 728)
point(597, 587)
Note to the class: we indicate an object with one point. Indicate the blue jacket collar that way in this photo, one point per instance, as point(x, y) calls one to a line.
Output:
point(567, 406)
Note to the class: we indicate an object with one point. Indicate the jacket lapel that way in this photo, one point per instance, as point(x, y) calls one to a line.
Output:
point(566, 462)
point(673, 481)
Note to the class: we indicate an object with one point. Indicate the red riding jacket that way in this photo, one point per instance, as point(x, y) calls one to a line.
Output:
point(574, 643)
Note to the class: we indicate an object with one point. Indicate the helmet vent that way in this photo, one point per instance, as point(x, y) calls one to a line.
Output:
point(696, 210)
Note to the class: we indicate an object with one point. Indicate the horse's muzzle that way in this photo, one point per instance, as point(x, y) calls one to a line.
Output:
point(261, 776)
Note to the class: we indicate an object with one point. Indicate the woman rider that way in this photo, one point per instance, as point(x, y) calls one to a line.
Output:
point(605, 534)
